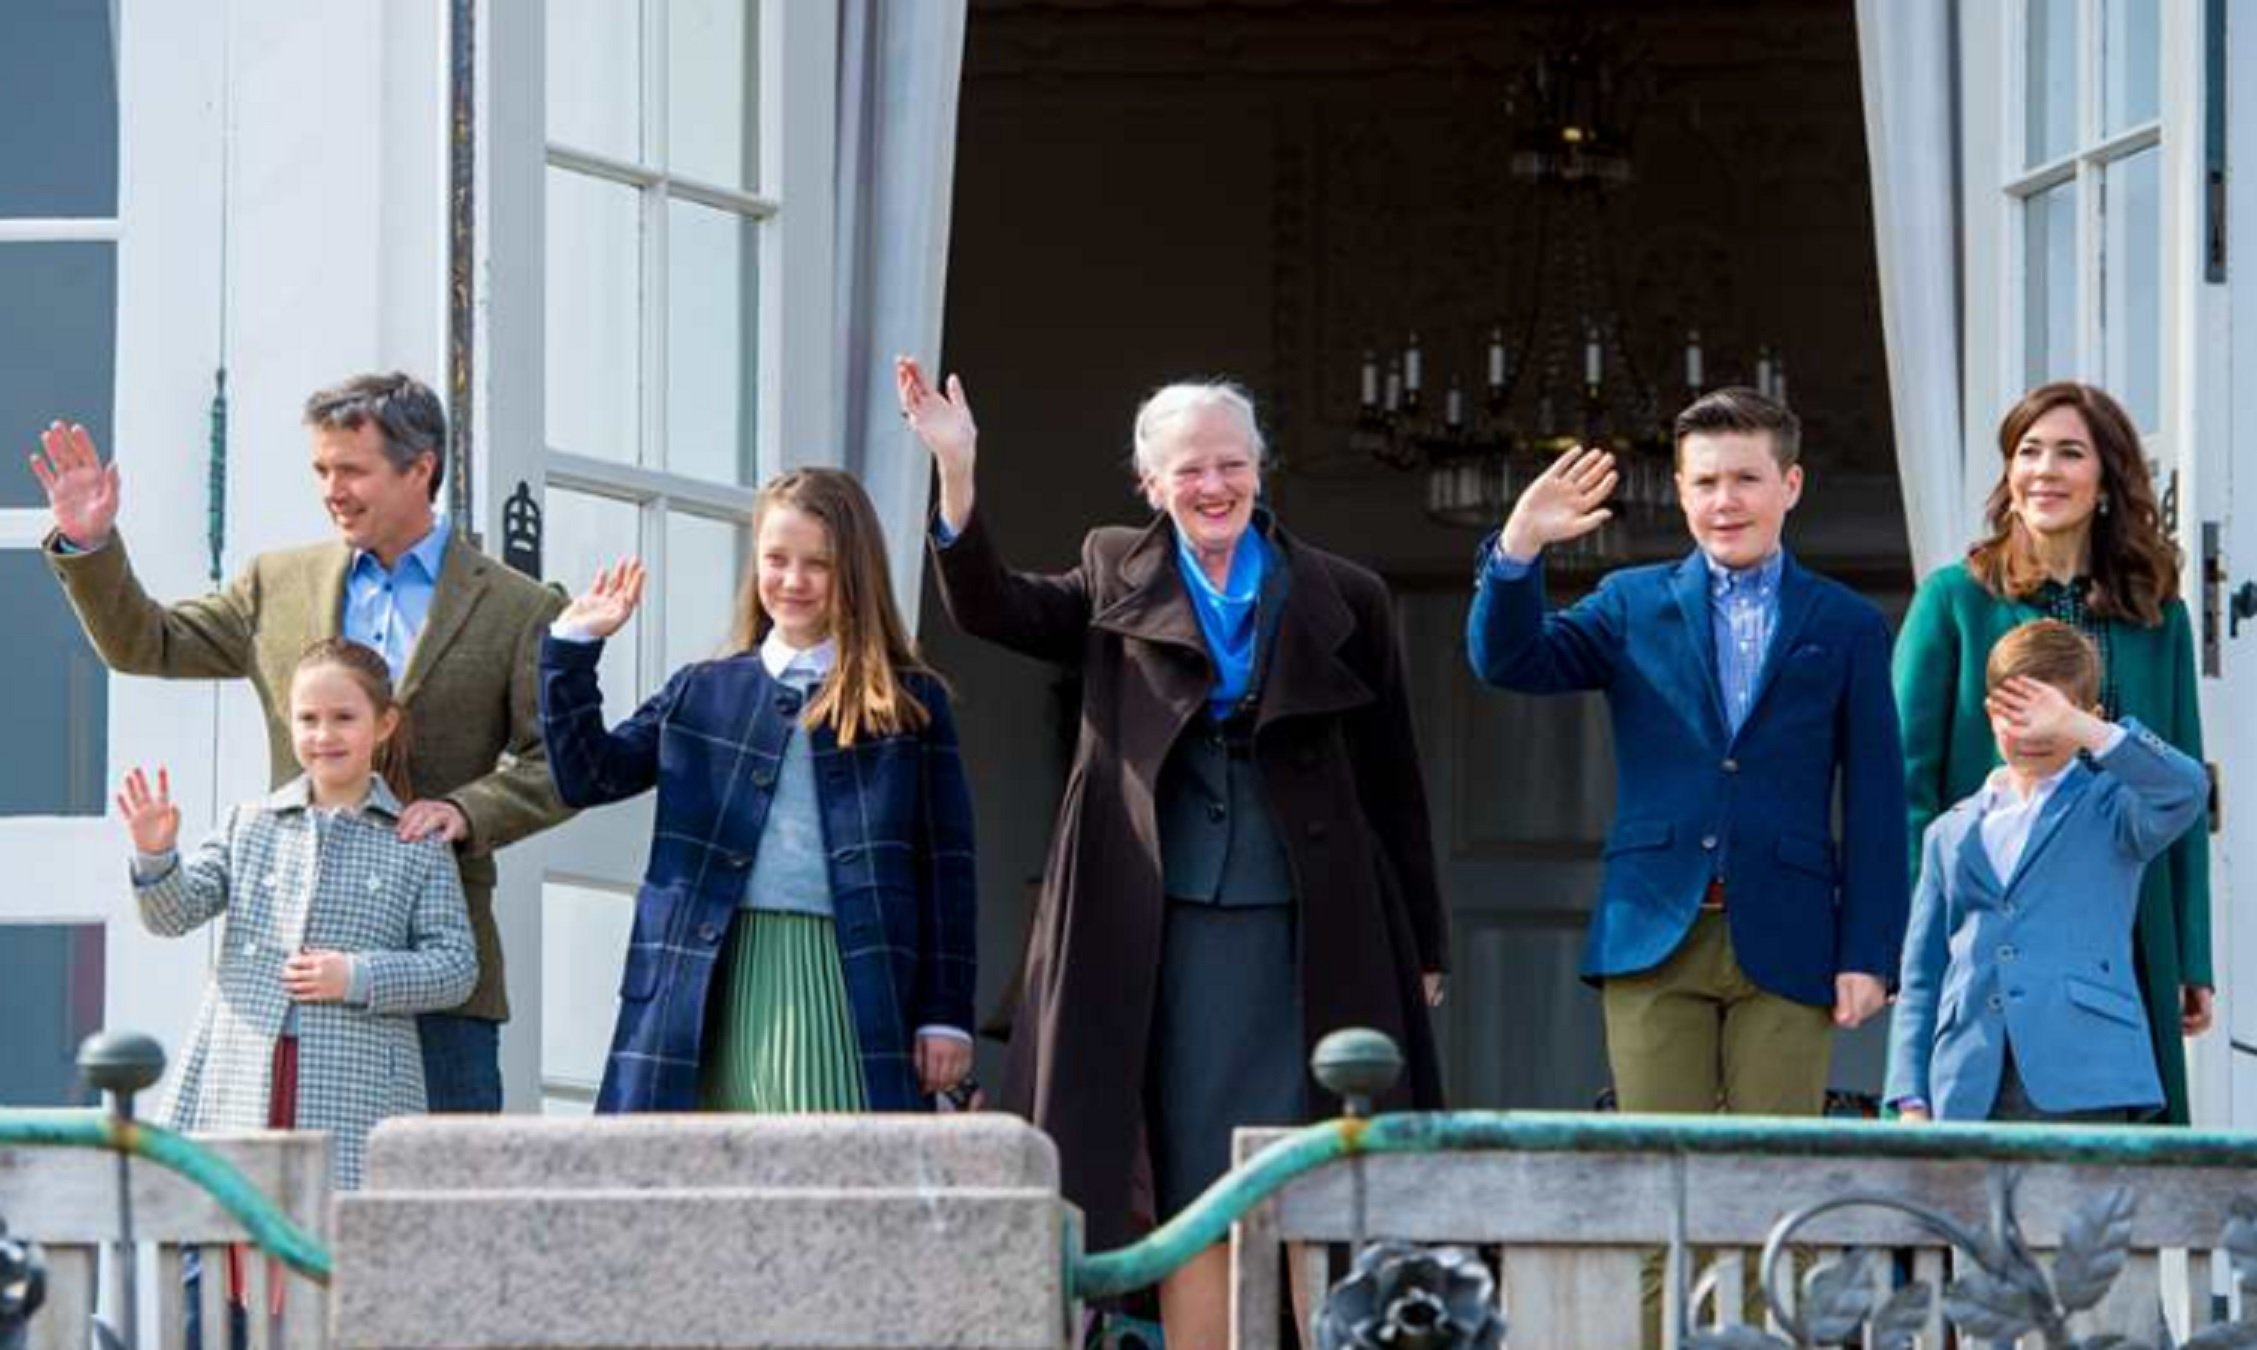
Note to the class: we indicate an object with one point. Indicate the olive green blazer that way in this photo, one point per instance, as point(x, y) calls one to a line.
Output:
point(471, 688)
point(1949, 751)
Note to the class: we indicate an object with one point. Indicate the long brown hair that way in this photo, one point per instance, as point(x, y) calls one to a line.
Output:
point(366, 667)
point(865, 694)
point(2135, 565)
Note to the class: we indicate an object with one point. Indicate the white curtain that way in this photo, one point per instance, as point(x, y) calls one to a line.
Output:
point(900, 62)
point(1906, 55)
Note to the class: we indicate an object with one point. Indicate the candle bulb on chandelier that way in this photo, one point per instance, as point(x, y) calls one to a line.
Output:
point(1394, 387)
point(1412, 367)
point(1779, 380)
point(1370, 385)
point(1693, 360)
point(1591, 357)
point(1496, 359)
point(1763, 371)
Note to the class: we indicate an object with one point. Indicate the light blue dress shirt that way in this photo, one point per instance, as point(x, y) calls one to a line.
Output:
point(1744, 609)
point(385, 609)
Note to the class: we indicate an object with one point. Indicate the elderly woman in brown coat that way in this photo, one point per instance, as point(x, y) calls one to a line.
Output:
point(1242, 861)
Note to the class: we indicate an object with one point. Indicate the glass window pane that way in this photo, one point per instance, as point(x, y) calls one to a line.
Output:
point(703, 566)
point(713, 91)
point(2130, 70)
point(50, 1000)
point(57, 698)
point(2049, 285)
point(712, 327)
point(586, 533)
point(583, 949)
point(594, 76)
point(60, 364)
point(2131, 267)
point(2050, 80)
point(592, 326)
point(59, 66)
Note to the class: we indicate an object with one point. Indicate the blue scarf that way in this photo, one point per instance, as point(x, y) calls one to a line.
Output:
point(1226, 616)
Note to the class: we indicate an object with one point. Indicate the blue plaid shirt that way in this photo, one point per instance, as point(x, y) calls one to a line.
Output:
point(386, 609)
point(1744, 609)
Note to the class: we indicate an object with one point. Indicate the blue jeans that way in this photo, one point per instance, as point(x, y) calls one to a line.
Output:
point(462, 1063)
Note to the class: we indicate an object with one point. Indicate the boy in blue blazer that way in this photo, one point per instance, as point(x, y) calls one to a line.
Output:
point(2019, 997)
point(1738, 924)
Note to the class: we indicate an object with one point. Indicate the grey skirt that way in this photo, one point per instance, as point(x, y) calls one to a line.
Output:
point(1226, 1045)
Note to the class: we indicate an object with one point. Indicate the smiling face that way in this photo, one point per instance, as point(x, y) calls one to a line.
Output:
point(1734, 494)
point(374, 506)
point(795, 571)
point(1207, 478)
point(2053, 480)
point(335, 730)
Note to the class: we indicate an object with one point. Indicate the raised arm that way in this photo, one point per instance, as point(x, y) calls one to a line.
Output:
point(518, 796)
point(593, 766)
point(174, 896)
point(206, 638)
point(1044, 617)
point(1512, 642)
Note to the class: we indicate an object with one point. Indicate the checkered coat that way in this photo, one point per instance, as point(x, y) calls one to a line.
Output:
point(280, 878)
point(897, 821)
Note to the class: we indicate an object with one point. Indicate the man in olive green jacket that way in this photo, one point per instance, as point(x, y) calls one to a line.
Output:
point(460, 632)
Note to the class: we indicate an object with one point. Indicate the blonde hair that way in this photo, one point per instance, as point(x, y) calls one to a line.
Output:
point(367, 668)
point(865, 695)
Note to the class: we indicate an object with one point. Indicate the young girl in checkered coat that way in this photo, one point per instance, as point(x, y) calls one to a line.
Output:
point(334, 932)
point(804, 934)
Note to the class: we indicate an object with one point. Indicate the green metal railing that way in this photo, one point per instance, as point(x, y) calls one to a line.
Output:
point(261, 1218)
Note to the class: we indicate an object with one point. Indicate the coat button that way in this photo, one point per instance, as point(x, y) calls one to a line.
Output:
point(1731, 766)
point(1217, 812)
point(787, 703)
point(1708, 842)
point(847, 854)
point(706, 932)
point(1995, 1003)
point(764, 778)
point(2006, 953)
point(250, 949)
point(1316, 829)
point(735, 862)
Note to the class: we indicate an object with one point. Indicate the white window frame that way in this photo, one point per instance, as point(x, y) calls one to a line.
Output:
point(796, 403)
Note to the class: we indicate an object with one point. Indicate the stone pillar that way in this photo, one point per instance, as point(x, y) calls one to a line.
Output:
point(509, 1233)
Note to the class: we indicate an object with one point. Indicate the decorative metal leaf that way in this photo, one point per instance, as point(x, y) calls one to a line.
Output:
point(1735, 1338)
point(2094, 1244)
point(1835, 1299)
point(1901, 1320)
point(2226, 1336)
point(1989, 1308)
point(2240, 1241)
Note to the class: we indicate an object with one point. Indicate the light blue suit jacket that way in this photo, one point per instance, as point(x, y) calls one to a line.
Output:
point(2041, 960)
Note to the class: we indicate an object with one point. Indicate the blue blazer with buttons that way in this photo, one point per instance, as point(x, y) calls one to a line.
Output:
point(897, 820)
point(2041, 960)
point(1694, 799)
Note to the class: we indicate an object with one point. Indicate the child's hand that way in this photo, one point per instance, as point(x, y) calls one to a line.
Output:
point(151, 818)
point(942, 1061)
point(2033, 709)
point(1918, 1115)
point(317, 976)
point(609, 601)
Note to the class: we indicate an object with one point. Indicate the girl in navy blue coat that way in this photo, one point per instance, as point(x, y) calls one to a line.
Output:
point(804, 936)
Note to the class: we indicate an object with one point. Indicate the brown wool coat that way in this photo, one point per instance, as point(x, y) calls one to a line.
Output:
point(1333, 742)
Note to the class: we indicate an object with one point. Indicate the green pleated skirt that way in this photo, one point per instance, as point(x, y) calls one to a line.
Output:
point(779, 1035)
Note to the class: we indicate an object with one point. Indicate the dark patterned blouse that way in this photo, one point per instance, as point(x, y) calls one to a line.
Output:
point(2067, 603)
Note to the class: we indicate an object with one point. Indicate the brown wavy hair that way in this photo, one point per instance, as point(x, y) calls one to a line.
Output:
point(866, 695)
point(2135, 565)
point(2050, 652)
point(366, 666)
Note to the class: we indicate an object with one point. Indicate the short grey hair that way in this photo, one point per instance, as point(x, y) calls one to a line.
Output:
point(412, 419)
point(1172, 401)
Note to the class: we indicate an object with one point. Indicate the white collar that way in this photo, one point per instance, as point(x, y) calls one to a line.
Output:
point(1999, 790)
point(781, 657)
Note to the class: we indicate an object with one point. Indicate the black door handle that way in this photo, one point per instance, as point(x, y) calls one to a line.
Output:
point(2241, 605)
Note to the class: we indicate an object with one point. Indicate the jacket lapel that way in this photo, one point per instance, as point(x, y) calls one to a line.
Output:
point(1974, 862)
point(462, 584)
point(1797, 594)
point(329, 593)
point(1689, 584)
point(2057, 809)
point(1305, 676)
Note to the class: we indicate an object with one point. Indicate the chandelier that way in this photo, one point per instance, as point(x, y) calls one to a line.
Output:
point(1563, 366)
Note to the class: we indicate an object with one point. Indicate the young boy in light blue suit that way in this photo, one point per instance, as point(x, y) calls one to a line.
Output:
point(2018, 999)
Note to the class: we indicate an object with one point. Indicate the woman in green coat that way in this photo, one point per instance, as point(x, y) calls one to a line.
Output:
point(2074, 535)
